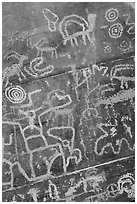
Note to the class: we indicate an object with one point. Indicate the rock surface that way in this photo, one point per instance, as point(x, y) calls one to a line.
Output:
point(68, 102)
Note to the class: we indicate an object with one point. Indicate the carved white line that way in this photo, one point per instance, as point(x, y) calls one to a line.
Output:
point(33, 136)
point(21, 130)
point(77, 158)
point(10, 140)
point(120, 67)
point(61, 128)
point(34, 69)
point(55, 194)
point(41, 50)
point(128, 130)
point(87, 74)
point(30, 114)
point(131, 29)
point(116, 70)
point(34, 193)
point(51, 159)
point(72, 18)
point(10, 164)
point(31, 166)
point(30, 104)
point(47, 70)
point(89, 112)
point(31, 125)
point(52, 21)
point(37, 149)
point(123, 95)
point(109, 144)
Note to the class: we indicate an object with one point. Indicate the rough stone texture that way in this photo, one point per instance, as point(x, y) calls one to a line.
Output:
point(68, 102)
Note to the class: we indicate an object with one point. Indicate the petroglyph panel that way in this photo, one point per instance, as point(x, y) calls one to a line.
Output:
point(68, 93)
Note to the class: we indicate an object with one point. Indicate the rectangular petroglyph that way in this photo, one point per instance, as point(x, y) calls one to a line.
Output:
point(68, 93)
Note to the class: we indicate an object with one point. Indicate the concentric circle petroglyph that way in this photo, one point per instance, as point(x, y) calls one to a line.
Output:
point(112, 14)
point(15, 94)
point(116, 30)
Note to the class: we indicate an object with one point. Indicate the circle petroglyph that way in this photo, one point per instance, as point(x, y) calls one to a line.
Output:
point(111, 14)
point(15, 94)
point(107, 49)
point(116, 30)
point(125, 46)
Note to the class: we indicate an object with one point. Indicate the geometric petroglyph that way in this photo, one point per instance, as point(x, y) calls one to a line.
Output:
point(37, 68)
point(15, 94)
point(112, 14)
point(115, 31)
point(68, 129)
point(125, 46)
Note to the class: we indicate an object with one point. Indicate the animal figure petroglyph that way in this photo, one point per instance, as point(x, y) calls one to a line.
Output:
point(14, 69)
point(23, 36)
point(124, 73)
point(112, 140)
point(41, 48)
point(87, 28)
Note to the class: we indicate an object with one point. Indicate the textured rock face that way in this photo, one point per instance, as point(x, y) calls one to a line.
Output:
point(68, 102)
